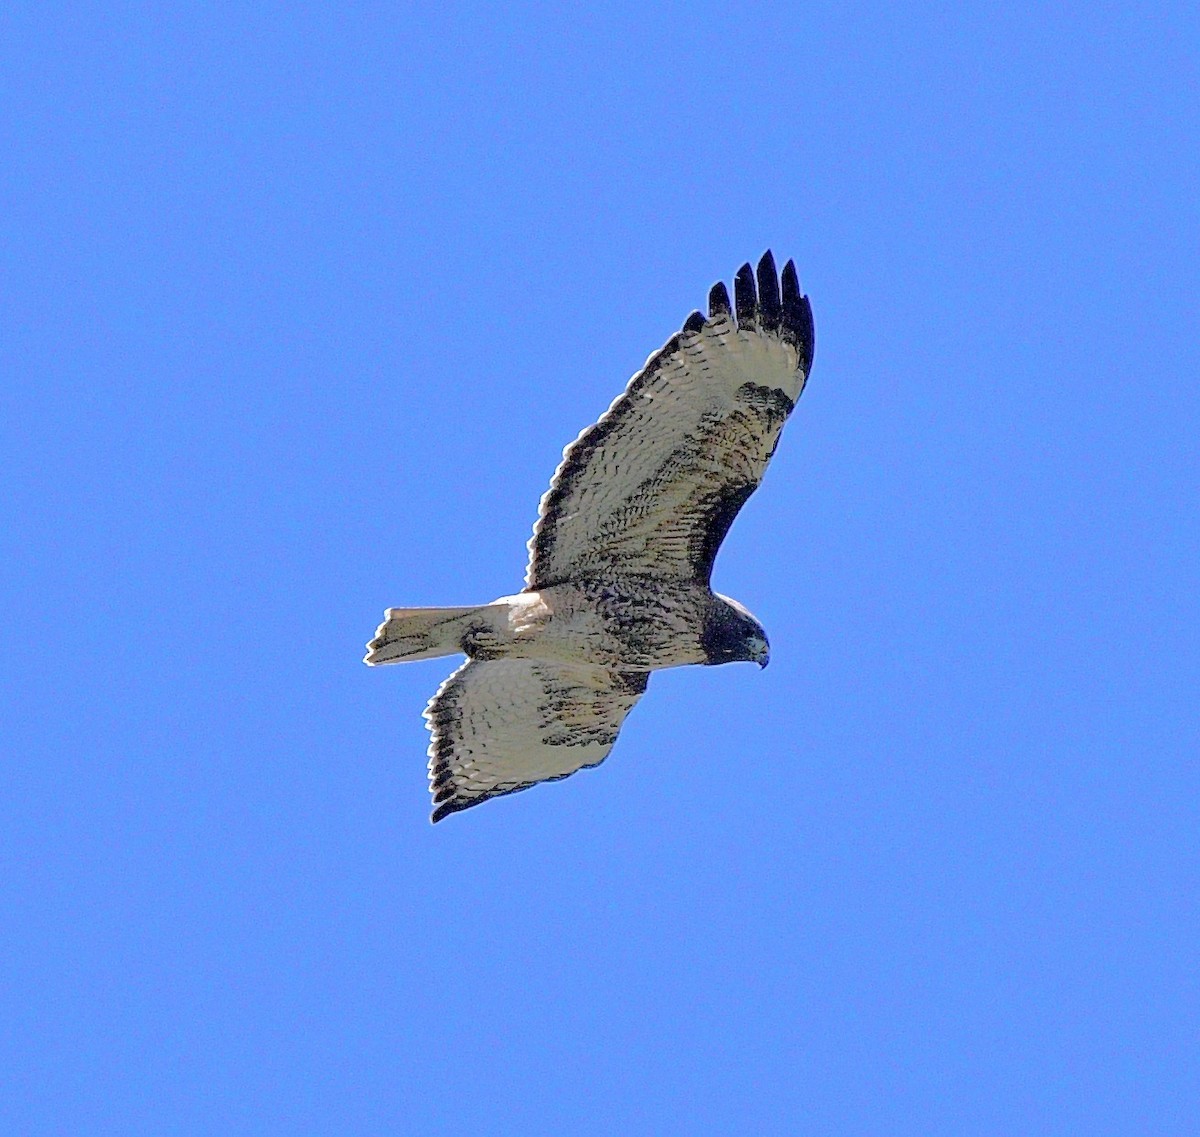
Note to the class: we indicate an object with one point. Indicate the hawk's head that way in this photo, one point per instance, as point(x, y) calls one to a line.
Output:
point(731, 634)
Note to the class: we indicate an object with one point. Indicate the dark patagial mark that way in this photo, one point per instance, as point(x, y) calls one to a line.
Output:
point(769, 308)
point(718, 300)
point(718, 518)
point(632, 682)
point(694, 322)
point(744, 298)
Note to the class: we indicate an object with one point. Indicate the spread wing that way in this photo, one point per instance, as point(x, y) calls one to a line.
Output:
point(504, 725)
point(653, 487)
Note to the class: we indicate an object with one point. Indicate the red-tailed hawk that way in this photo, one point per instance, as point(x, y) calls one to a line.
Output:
point(621, 556)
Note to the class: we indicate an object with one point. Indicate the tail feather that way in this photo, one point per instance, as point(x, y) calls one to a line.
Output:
point(421, 633)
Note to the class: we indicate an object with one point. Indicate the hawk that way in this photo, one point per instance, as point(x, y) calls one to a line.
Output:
point(621, 556)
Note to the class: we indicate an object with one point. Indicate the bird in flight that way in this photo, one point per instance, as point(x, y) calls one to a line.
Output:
point(621, 555)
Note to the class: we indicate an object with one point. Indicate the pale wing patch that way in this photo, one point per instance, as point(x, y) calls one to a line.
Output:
point(503, 725)
point(653, 486)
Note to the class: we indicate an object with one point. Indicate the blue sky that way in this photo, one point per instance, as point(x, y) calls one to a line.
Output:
point(299, 306)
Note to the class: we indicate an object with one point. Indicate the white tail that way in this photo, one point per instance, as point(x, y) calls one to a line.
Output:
point(423, 633)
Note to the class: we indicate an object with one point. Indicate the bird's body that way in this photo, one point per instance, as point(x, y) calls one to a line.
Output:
point(624, 623)
point(618, 624)
point(621, 556)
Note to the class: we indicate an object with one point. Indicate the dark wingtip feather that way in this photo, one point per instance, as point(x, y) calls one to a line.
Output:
point(791, 284)
point(744, 297)
point(694, 322)
point(798, 317)
point(809, 338)
point(454, 806)
point(769, 307)
point(718, 300)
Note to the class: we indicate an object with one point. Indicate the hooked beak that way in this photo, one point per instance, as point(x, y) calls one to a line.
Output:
point(763, 658)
